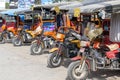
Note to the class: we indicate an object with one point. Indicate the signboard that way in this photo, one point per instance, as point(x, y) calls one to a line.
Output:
point(76, 12)
point(25, 3)
point(57, 9)
point(13, 4)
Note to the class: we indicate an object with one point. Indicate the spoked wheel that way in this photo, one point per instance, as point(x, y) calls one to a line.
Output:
point(54, 60)
point(17, 42)
point(75, 73)
point(36, 49)
point(2, 40)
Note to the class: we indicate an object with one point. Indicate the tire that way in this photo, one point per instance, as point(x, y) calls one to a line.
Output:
point(17, 42)
point(2, 38)
point(36, 49)
point(2, 41)
point(72, 75)
point(51, 63)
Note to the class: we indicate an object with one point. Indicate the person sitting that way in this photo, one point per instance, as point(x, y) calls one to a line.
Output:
point(93, 30)
point(39, 26)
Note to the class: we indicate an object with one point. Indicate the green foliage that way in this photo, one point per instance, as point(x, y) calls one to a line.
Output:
point(7, 5)
point(37, 1)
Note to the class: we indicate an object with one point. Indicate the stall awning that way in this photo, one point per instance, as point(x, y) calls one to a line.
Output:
point(49, 6)
point(70, 6)
point(110, 6)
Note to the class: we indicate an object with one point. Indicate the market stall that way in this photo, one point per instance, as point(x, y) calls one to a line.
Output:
point(108, 12)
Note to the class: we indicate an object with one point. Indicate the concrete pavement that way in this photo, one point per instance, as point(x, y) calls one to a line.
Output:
point(16, 63)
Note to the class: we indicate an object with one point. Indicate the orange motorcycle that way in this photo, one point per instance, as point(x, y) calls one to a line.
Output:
point(26, 36)
point(7, 34)
point(46, 42)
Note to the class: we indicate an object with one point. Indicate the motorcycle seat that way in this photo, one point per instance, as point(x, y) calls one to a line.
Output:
point(113, 46)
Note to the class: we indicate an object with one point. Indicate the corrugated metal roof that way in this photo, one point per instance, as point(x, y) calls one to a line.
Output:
point(53, 5)
point(70, 6)
point(113, 5)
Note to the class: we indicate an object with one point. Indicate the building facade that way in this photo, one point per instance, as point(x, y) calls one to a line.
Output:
point(14, 4)
point(2, 4)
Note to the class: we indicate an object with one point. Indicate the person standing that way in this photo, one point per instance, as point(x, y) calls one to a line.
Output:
point(58, 20)
point(66, 19)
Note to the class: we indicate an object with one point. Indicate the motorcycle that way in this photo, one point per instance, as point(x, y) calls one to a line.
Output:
point(25, 36)
point(67, 48)
point(93, 56)
point(6, 35)
point(39, 45)
point(46, 42)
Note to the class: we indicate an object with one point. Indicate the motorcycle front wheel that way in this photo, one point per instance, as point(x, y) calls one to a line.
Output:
point(17, 42)
point(74, 73)
point(54, 60)
point(2, 40)
point(36, 49)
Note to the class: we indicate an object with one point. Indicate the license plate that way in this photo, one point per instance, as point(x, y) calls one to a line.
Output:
point(82, 49)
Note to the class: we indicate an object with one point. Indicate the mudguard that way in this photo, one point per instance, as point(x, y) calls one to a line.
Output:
point(53, 49)
point(79, 58)
point(38, 42)
point(76, 58)
point(34, 41)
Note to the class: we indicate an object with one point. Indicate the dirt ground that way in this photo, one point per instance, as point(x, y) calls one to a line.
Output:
point(16, 63)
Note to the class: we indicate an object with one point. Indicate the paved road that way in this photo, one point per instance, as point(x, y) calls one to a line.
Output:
point(16, 63)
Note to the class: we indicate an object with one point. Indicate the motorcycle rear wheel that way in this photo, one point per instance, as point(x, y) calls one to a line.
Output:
point(73, 73)
point(54, 62)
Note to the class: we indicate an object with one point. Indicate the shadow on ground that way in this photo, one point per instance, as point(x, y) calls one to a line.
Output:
point(103, 75)
point(98, 75)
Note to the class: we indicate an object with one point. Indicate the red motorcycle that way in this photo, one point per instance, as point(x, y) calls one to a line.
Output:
point(92, 56)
